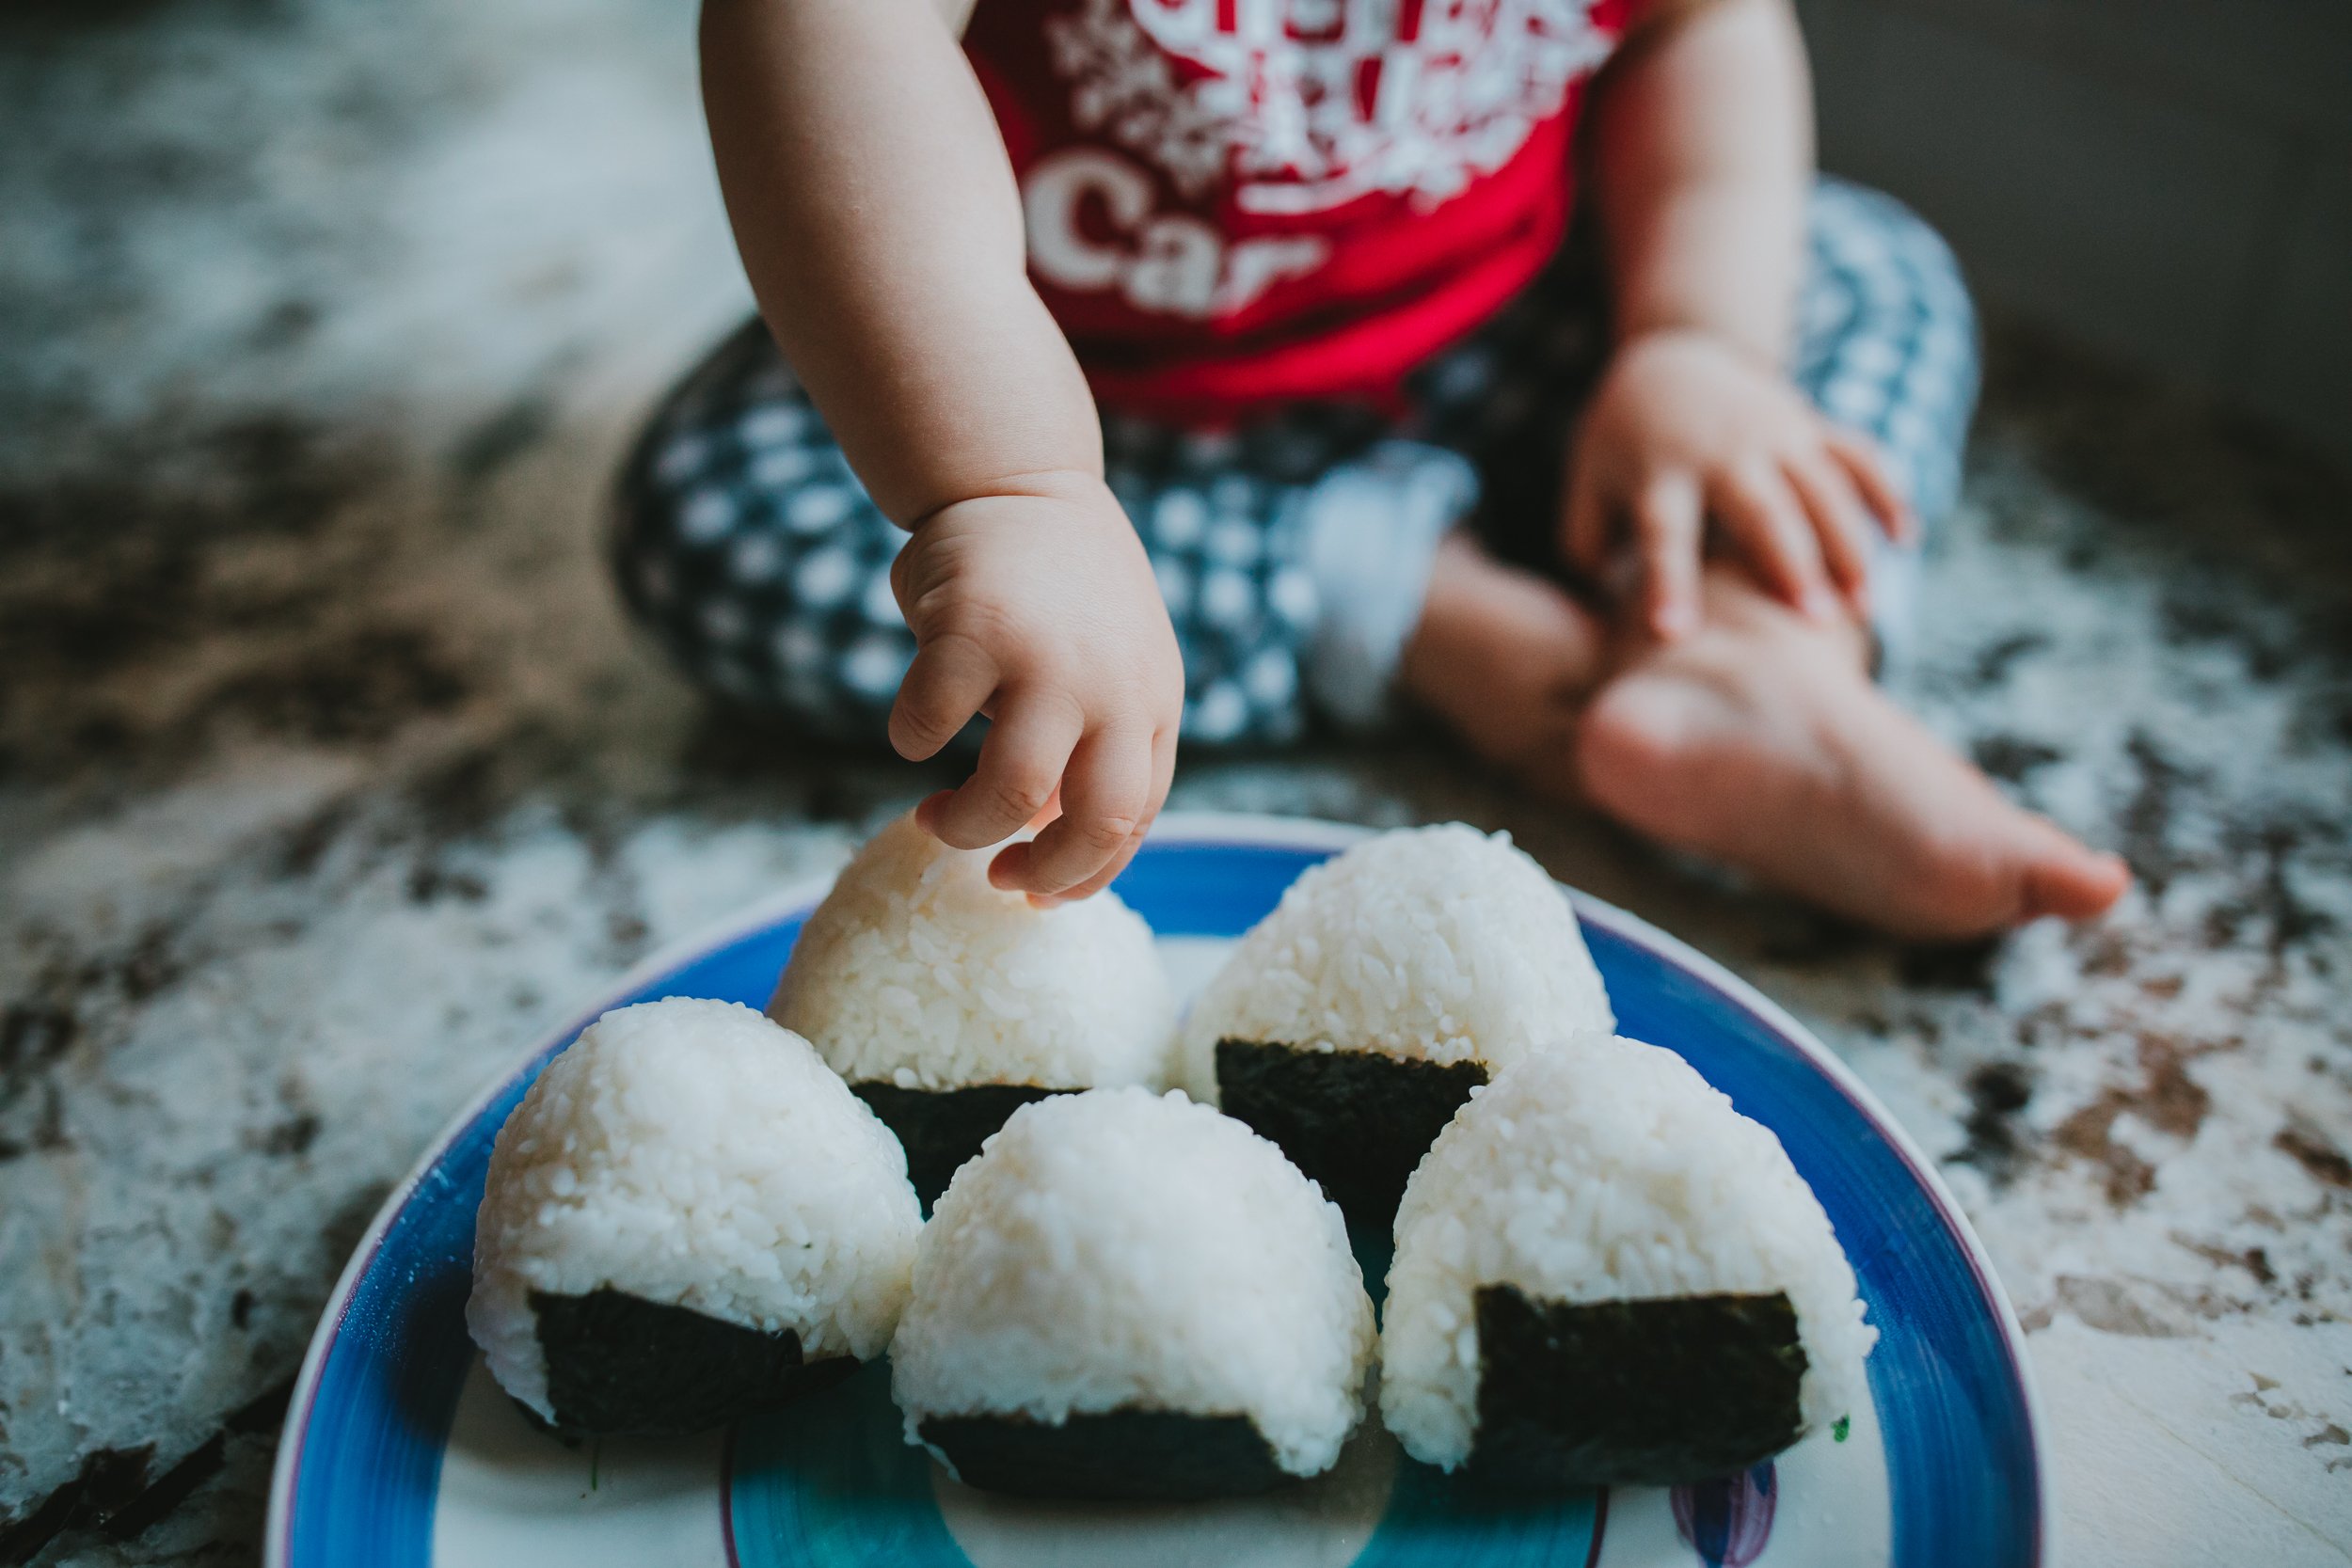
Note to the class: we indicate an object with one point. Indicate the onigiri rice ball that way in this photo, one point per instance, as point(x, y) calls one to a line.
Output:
point(688, 1218)
point(1605, 1274)
point(1132, 1296)
point(947, 1001)
point(1391, 980)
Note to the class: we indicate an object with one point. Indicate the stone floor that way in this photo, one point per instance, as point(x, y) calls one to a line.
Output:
point(328, 775)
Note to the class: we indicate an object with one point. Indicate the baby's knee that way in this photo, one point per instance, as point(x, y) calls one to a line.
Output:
point(744, 545)
point(1896, 258)
point(812, 633)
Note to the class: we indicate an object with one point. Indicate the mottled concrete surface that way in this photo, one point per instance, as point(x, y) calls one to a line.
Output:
point(328, 775)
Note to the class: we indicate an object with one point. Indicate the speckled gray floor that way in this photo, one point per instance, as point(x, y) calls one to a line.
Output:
point(329, 776)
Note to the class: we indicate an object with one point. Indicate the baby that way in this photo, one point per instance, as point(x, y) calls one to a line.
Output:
point(1633, 508)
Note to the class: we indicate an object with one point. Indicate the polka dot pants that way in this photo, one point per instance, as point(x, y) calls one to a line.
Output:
point(1292, 549)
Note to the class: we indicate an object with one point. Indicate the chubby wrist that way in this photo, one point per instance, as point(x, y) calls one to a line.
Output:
point(1077, 487)
point(1667, 333)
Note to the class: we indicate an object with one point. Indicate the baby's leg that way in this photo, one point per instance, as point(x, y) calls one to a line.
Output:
point(1506, 658)
point(1293, 555)
point(1888, 346)
point(1761, 740)
point(753, 554)
point(1501, 653)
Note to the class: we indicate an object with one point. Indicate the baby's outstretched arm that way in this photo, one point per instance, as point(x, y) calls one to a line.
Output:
point(876, 211)
point(1703, 159)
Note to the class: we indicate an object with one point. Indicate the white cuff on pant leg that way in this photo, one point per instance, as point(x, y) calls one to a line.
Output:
point(1371, 528)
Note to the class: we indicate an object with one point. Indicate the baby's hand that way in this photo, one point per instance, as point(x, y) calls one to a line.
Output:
point(1038, 609)
point(1685, 428)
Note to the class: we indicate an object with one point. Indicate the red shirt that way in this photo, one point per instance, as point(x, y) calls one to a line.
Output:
point(1232, 201)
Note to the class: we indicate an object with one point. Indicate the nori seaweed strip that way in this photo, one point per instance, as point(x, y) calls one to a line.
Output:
point(1642, 1393)
point(1119, 1455)
point(624, 1366)
point(1356, 1121)
point(941, 1128)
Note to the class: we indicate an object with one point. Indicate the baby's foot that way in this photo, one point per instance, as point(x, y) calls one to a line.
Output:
point(1504, 657)
point(1759, 741)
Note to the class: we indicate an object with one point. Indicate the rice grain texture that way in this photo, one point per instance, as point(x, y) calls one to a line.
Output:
point(1442, 944)
point(1608, 1172)
point(692, 1153)
point(1118, 1250)
point(916, 972)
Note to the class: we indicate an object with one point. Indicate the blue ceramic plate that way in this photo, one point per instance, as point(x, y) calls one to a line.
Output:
point(398, 1450)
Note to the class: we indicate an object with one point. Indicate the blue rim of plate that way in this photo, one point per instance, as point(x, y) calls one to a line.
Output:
point(1993, 1511)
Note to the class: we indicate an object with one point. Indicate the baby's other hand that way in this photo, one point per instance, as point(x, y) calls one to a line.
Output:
point(1037, 607)
point(1685, 429)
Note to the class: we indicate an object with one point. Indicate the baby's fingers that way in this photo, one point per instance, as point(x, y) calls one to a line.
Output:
point(1162, 768)
point(1838, 524)
point(1106, 796)
point(951, 676)
point(1022, 761)
point(1859, 456)
point(1763, 518)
